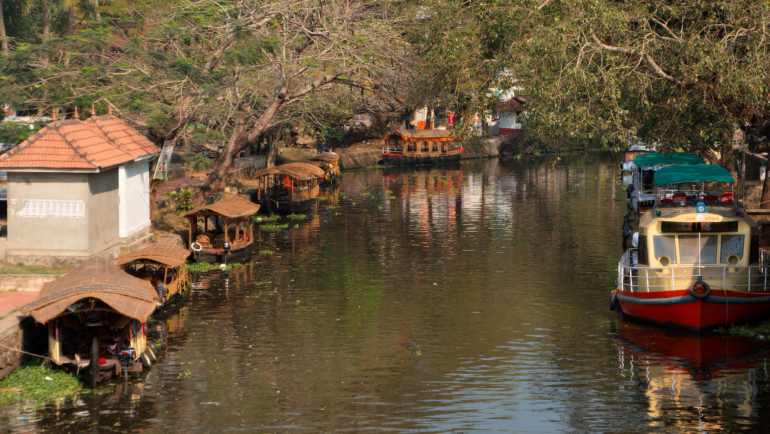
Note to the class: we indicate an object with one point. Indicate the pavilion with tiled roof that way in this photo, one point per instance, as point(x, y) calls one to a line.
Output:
point(77, 189)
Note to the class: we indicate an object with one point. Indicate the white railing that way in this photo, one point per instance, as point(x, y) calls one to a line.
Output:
point(393, 151)
point(633, 278)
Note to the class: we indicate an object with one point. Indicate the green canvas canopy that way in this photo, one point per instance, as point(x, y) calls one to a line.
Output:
point(693, 173)
point(666, 158)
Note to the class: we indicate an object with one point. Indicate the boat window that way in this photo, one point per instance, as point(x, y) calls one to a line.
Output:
point(665, 246)
point(699, 227)
point(695, 249)
point(731, 245)
point(643, 250)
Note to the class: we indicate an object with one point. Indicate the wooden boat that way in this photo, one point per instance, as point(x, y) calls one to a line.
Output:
point(95, 316)
point(640, 189)
point(288, 189)
point(161, 263)
point(421, 147)
point(222, 230)
point(697, 264)
point(329, 162)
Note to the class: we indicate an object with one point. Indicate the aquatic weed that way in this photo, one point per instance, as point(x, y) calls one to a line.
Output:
point(202, 267)
point(37, 384)
point(266, 253)
point(272, 227)
point(297, 216)
point(745, 330)
point(260, 219)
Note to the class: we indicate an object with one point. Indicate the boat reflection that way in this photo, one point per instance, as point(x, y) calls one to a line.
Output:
point(699, 384)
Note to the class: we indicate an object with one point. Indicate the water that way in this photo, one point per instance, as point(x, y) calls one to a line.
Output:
point(468, 298)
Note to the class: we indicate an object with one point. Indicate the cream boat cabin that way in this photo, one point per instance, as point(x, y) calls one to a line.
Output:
point(697, 263)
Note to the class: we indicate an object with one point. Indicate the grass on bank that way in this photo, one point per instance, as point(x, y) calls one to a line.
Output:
point(745, 330)
point(31, 383)
point(32, 269)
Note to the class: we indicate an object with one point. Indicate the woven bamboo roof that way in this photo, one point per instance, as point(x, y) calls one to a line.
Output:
point(300, 171)
point(423, 135)
point(94, 278)
point(168, 251)
point(326, 157)
point(233, 207)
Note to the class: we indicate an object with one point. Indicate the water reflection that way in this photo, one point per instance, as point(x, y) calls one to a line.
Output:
point(462, 298)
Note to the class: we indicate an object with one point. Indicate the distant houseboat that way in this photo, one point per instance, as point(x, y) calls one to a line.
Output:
point(161, 263)
point(222, 230)
point(697, 264)
point(95, 316)
point(288, 189)
point(421, 147)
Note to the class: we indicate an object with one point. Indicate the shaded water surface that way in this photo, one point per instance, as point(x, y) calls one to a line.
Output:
point(466, 298)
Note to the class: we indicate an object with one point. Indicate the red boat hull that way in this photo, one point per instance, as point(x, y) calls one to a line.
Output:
point(679, 309)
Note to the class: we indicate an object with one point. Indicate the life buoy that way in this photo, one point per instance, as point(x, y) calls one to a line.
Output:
point(196, 247)
point(419, 155)
point(151, 355)
point(145, 360)
point(613, 300)
point(700, 295)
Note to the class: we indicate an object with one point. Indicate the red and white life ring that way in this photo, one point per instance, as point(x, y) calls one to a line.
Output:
point(196, 247)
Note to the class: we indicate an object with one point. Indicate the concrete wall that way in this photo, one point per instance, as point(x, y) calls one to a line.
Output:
point(103, 220)
point(508, 122)
point(24, 282)
point(32, 232)
point(134, 192)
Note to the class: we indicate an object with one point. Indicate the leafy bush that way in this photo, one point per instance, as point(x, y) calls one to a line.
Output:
point(195, 162)
point(30, 382)
point(183, 199)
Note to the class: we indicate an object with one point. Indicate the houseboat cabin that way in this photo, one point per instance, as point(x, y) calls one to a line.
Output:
point(288, 189)
point(421, 147)
point(222, 230)
point(697, 262)
point(95, 316)
point(330, 163)
point(161, 263)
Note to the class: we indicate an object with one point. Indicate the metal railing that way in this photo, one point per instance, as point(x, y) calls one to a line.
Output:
point(633, 278)
point(393, 151)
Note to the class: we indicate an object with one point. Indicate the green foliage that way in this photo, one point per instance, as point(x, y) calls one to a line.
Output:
point(259, 218)
point(266, 253)
point(196, 162)
point(204, 267)
point(297, 216)
point(30, 383)
point(273, 227)
point(13, 133)
point(745, 330)
point(183, 199)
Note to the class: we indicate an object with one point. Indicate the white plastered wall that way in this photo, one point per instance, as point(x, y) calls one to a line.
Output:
point(134, 197)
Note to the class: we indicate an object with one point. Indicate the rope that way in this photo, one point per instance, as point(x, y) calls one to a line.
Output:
point(24, 352)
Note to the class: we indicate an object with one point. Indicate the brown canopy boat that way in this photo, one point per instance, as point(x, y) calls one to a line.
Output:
point(163, 264)
point(421, 147)
point(289, 188)
point(95, 316)
point(330, 163)
point(222, 230)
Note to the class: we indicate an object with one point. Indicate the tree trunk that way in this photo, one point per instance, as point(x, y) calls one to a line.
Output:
point(46, 18)
point(765, 202)
point(71, 20)
point(4, 43)
point(154, 183)
point(272, 151)
point(96, 9)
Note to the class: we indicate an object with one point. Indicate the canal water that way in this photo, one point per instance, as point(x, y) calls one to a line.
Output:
point(469, 298)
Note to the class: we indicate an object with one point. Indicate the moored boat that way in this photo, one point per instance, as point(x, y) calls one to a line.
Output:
point(288, 189)
point(421, 147)
point(330, 163)
point(222, 231)
point(697, 264)
point(161, 263)
point(95, 316)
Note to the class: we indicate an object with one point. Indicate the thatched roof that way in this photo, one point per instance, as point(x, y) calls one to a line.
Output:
point(423, 135)
point(233, 207)
point(168, 251)
point(326, 157)
point(94, 278)
point(300, 171)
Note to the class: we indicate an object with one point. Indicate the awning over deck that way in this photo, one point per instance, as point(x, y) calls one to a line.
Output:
point(94, 278)
point(233, 207)
point(693, 173)
point(666, 158)
point(168, 251)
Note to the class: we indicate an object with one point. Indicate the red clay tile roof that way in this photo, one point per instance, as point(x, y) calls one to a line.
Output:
point(122, 135)
point(512, 105)
point(67, 144)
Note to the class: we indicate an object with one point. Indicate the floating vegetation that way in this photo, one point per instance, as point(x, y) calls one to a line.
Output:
point(186, 374)
point(343, 195)
point(37, 384)
point(273, 227)
point(389, 192)
point(332, 206)
point(322, 198)
point(203, 267)
point(465, 184)
point(391, 197)
point(266, 253)
point(759, 330)
point(297, 216)
point(259, 219)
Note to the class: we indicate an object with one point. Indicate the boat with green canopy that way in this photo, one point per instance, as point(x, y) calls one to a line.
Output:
point(695, 261)
point(639, 191)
